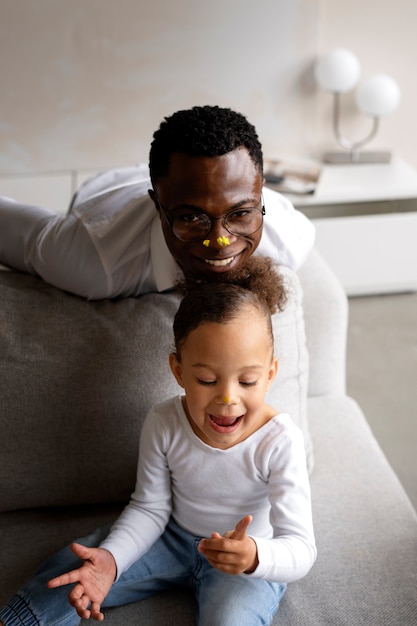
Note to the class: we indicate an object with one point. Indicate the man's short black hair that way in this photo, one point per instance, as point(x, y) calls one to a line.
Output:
point(208, 131)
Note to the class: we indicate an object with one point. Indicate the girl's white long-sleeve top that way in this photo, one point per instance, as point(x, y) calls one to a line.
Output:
point(207, 489)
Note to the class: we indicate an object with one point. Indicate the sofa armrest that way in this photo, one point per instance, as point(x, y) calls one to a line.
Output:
point(326, 318)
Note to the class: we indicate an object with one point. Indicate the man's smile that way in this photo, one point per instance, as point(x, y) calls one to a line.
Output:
point(220, 262)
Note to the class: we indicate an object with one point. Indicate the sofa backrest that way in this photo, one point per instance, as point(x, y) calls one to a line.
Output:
point(78, 378)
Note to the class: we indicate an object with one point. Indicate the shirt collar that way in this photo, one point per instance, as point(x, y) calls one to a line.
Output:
point(165, 269)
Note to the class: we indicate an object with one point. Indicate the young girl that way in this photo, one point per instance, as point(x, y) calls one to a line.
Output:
point(222, 499)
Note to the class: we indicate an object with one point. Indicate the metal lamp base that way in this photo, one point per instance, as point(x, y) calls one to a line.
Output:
point(353, 158)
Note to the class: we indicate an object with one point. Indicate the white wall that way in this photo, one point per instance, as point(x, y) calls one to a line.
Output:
point(85, 83)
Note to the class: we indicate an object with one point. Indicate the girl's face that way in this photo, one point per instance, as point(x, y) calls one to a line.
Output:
point(225, 370)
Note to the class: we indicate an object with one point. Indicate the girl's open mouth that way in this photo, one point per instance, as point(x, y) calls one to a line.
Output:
point(225, 424)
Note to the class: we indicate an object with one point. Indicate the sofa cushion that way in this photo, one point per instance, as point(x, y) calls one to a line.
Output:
point(366, 532)
point(290, 388)
point(78, 378)
point(365, 526)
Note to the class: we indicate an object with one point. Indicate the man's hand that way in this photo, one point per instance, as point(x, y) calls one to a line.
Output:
point(234, 552)
point(95, 578)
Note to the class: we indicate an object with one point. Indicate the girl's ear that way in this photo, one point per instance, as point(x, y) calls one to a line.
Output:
point(273, 371)
point(176, 368)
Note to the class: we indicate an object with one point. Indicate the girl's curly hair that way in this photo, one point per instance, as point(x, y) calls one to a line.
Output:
point(257, 285)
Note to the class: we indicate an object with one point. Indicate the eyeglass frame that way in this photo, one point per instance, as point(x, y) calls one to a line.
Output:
point(170, 220)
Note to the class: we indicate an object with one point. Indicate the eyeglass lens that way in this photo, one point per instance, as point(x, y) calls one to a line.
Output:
point(241, 222)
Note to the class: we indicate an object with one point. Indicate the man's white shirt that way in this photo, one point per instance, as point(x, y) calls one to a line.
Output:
point(123, 223)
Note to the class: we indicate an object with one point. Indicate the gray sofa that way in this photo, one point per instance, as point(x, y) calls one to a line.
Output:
point(77, 378)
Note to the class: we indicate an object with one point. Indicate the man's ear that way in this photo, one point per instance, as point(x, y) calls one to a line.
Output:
point(176, 368)
point(153, 197)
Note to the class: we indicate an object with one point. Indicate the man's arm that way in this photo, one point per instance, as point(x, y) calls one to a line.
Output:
point(288, 235)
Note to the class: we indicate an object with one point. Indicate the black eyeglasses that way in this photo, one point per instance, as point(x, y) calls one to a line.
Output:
point(187, 225)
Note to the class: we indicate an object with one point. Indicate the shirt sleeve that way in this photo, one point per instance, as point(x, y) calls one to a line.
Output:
point(288, 235)
point(148, 512)
point(290, 553)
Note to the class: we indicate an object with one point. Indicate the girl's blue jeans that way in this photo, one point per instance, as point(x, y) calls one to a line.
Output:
point(222, 599)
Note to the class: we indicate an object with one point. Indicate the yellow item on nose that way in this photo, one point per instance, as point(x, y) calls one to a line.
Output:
point(226, 400)
point(223, 241)
point(206, 242)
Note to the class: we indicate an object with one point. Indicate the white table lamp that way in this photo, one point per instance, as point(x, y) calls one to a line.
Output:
point(338, 72)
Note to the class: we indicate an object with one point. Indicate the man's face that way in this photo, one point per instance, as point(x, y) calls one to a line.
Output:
point(214, 186)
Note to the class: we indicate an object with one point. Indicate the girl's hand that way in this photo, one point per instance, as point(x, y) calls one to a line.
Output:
point(95, 578)
point(234, 552)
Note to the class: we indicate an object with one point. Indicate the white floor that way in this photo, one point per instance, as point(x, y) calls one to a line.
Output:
point(382, 376)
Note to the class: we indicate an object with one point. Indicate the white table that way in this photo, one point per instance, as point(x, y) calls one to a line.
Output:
point(366, 223)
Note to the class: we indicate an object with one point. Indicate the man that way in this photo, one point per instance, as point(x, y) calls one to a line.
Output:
point(203, 215)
